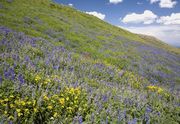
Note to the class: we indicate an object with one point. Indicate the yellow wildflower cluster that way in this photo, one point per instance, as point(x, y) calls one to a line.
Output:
point(68, 101)
point(37, 78)
point(20, 106)
point(155, 89)
point(73, 91)
point(133, 79)
point(45, 80)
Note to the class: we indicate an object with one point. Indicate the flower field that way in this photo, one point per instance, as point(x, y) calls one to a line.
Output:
point(43, 80)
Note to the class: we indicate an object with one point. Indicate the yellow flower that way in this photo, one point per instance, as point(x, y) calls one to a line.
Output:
point(35, 110)
point(23, 103)
point(152, 88)
point(47, 81)
point(6, 100)
point(11, 117)
point(160, 90)
point(62, 101)
point(155, 89)
point(76, 97)
point(67, 98)
point(4, 104)
point(11, 105)
point(55, 96)
point(45, 98)
point(29, 102)
point(11, 96)
point(19, 114)
point(77, 91)
point(26, 111)
point(5, 112)
point(69, 109)
point(37, 78)
point(71, 91)
point(18, 110)
point(49, 107)
point(55, 114)
point(34, 102)
point(75, 102)
point(1, 101)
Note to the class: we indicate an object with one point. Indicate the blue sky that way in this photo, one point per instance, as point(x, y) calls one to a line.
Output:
point(160, 18)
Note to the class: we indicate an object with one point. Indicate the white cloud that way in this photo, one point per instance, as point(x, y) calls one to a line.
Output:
point(99, 15)
point(168, 34)
point(139, 3)
point(154, 1)
point(70, 4)
point(173, 19)
point(148, 17)
point(115, 1)
point(165, 3)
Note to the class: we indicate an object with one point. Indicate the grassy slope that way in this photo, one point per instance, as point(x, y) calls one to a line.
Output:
point(83, 33)
point(103, 58)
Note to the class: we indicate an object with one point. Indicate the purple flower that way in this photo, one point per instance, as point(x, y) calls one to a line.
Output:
point(10, 122)
point(80, 120)
point(9, 74)
point(27, 59)
point(21, 79)
point(6, 74)
point(104, 98)
point(0, 79)
point(134, 121)
point(56, 67)
point(148, 109)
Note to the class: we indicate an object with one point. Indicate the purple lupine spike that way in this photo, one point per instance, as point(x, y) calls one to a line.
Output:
point(148, 109)
point(56, 67)
point(27, 59)
point(0, 79)
point(10, 122)
point(147, 118)
point(134, 121)
point(80, 120)
point(6, 74)
point(71, 68)
point(12, 73)
point(21, 79)
point(104, 98)
point(119, 116)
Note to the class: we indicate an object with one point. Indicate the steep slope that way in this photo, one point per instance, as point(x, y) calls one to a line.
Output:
point(62, 65)
point(86, 34)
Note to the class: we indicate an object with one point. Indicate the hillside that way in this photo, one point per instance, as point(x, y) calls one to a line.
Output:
point(60, 65)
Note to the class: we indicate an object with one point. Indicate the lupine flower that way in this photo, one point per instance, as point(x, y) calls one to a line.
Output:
point(80, 120)
point(134, 121)
point(0, 79)
point(21, 79)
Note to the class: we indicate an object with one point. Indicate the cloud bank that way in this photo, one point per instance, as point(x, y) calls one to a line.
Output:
point(115, 1)
point(164, 3)
point(97, 14)
point(168, 34)
point(173, 19)
point(148, 17)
